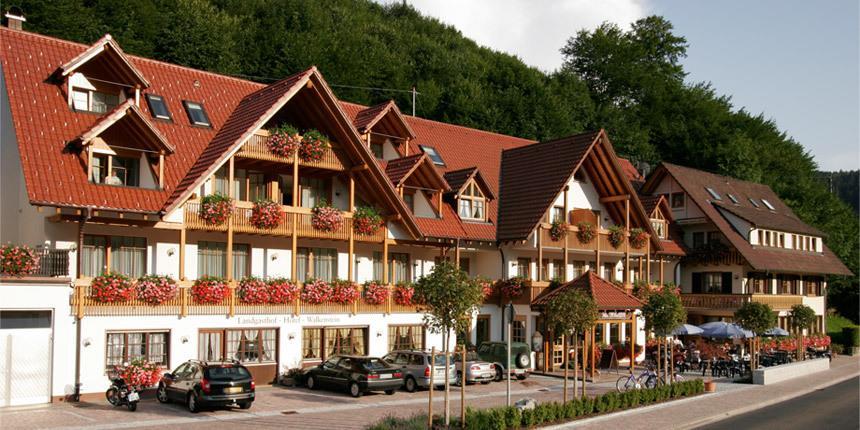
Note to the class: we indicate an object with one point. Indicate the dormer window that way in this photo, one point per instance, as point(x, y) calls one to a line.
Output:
point(659, 226)
point(733, 198)
point(196, 113)
point(158, 107)
point(678, 200)
point(472, 203)
point(84, 100)
point(112, 169)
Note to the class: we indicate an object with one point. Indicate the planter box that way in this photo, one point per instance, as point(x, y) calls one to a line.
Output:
point(772, 375)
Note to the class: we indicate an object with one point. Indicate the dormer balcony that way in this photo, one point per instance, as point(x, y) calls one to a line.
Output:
point(255, 149)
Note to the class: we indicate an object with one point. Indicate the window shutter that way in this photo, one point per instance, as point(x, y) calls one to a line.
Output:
point(727, 282)
point(697, 283)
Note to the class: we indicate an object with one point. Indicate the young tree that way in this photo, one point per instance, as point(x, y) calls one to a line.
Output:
point(449, 297)
point(571, 312)
point(802, 317)
point(756, 317)
point(663, 312)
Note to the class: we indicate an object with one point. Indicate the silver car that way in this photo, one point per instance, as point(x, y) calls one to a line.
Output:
point(416, 369)
point(477, 370)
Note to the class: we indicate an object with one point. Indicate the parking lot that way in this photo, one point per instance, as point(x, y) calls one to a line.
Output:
point(279, 407)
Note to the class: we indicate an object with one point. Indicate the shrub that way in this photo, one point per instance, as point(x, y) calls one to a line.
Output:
point(253, 291)
point(18, 260)
point(283, 141)
point(375, 293)
point(344, 292)
point(316, 291)
point(282, 290)
point(155, 289)
point(266, 214)
point(851, 336)
point(111, 288)
point(209, 290)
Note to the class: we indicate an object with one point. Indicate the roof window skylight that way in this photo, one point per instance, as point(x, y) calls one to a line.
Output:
point(434, 156)
point(767, 203)
point(196, 113)
point(713, 193)
point(754, 203)
point(733, 198)
point(157, 106)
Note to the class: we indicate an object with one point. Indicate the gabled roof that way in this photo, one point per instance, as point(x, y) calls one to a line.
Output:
point(630, 171)
point(694, 183)
point(108, 50)
point(367, 118)
point(128, 114)
point(401, 169)
point(650, 203)
point(763, 218)
point(606, 295)
point(458, 179)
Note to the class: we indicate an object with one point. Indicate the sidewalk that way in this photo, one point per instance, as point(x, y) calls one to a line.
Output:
point(729, 400)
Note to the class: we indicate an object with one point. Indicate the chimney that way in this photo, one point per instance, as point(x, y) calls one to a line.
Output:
point(15, 18)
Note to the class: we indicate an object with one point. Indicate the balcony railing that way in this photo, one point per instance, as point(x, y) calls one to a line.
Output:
point(256, 149)
point(574, 243)
point(532, 290)
point(183, 305)
point(53, 262)
point(734, 301)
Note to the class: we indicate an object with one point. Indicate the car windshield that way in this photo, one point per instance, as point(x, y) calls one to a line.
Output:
point(440, 360)
point(227, 373)
point(374, 364)
point(472, 356)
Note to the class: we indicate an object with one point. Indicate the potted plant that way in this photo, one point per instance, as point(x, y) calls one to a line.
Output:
point(313, 146)
point(316, 291)
point(638, 238)
point(375, 293)
point(291, 378)
point(283, 140)
point(514, 287)
point(326, 218)
point(487, 287)
point(156, 289)
point(111, 287)
point(140, 373)
point(344, 292)
point(585, 232)
point(266, 214)
point(209, 290)
point(404, 293)
point(557, 230)
point(366, 220)
point(215, 209)
point(616, 236)
point(18, 260)
point(253, 291)
point(282, 290)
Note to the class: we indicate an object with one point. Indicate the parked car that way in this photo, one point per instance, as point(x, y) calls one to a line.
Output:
point(477, 370)
point(356, 374)
point(496, 353)
point(201, 384)
point(415, 366)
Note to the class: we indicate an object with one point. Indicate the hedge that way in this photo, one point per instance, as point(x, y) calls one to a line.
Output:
point(501, 418)
point(851, 336)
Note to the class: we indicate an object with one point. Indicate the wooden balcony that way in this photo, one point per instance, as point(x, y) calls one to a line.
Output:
point(780, 302)
point(734, 301)
point(573, 242)
point(532, 290)
point(183, 305)
point(256, 149)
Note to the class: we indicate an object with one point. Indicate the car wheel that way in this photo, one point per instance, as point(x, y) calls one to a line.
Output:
point(410, 385)
point(161, 394)
point(311, 382)
point(499, 374)
point(389, 392)
point(485, 382)
point(459, 380)
point(521, 377)
point(193, 407)
point(354, 389)
point(244, 405)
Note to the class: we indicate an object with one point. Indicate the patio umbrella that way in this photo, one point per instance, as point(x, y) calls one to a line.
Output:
point(685, 329)
point(723, 329)
point(776, 331)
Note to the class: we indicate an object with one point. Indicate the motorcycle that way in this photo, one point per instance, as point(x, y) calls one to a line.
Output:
point(120, 394)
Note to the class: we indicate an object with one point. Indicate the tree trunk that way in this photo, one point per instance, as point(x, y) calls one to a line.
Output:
point(584, 362)
point(566, 370)
point(445, 338)
point(659, 356)
point(575, 361)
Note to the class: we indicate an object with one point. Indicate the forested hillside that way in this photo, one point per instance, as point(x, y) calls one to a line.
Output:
point(845, 184)
point(628, 82)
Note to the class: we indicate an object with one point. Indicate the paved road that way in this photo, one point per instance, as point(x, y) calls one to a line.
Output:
point(834, 408)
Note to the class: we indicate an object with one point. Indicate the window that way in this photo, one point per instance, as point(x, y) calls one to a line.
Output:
point(759, 283)
point(524, 267)
point(609, 272)
point(212, 259)
point(377, 266)
point(376, 149)
point(25, 319)
point(93, 101)
point(713, 237)
point(464, 264)
point(406, 337)
point(323, 261)
point(472, 203)
point(754, 203)
point(698, 239)
point(320, 343)
point(659, 227)
point(399, 270)
point(128, 346)
point(482, 329)
point(767, 203)
point(409, 199)
point(518, 329)
point(813, 242)
point(733, 198)
point(578, 269)
point(712, 282)
point(434, 156)
point(713, 193)
point(557, 214)
point(678, 200)
point(248, 346)
point(313, 191)
point(115, 170)
point(256, 186)
point(196, 113)
point(128, 255)
point(158, 107)
point(557, 270)
point(782, 240)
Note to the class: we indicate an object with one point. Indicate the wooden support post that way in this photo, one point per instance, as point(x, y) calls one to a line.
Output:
point(161, 170)
point(641, 273)
point(566, 366)
point(351, 192)
point(90, 162)
point(592, 335)
point(296, 197)
point(661, 271)
point(385, 255)
point(439, 194)
point(597, 247)
point(108, 256)
point(632, 341)
point(183, 302)
point(540, 253)
point(351, 255)
point(585, 360)
point(627, 243)
point(565, 248)
point(294, 249)
point(230, 178)
point(232, 300)
point(182, 240)
point(457, 253)
point(648, 259)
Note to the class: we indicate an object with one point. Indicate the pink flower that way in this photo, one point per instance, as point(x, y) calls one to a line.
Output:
point(18, 260)
point(375, 293)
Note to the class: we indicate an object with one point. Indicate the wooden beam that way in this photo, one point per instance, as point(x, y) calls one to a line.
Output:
point(440, 204)
point(89, 162)
point(359, 168)
point(294, 249)
point(627, 243)
point(540, 253)
point(385, 254)
point(566, 219)
point(230, 178)
point(182, 240)
point(597, 246)
point(296, 199)
point(161, 170)
point(618, 198)
point(351, 193)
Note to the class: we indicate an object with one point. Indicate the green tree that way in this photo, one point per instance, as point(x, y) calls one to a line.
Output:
point(757, 318)
point(663, 312)
point(571, 312)
point(450, 298)
point(802, 318)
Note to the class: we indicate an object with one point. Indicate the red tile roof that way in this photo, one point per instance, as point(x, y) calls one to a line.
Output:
point(367, 118)
point(606, 295)
point(630, 171)
point(127, 110)
point(458, 178)
point(399, 169)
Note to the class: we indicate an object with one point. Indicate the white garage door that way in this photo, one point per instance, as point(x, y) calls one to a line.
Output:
point(25, 357)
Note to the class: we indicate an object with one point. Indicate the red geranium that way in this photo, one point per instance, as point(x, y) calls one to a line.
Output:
point(111, 288)
point(283, 141)
point(210, 290)
point(638, 238)
point(326, 218)
point(586, 232)
point(253, 291)
point(155, 290)
point(215, 209)
point(282, 291)
point(316, 291)
point(487, 287)
point(344, 292)
point(18, 260)
point(616, 236)
point(313, 146)
point(266, 214)
point(375, 293)
point(513, 287)
point(557, 230)
point(404, 294)
point(366, 220)
point(140, 373)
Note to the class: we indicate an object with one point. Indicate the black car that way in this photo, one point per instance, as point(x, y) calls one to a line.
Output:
point(356, 374)
point(201, 384)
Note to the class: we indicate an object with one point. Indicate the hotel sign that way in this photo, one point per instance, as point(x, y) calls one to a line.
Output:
point(615, 315)
point(279, 320)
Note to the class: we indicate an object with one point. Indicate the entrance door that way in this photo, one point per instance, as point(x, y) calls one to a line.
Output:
point(482, 329)
point(557, 353)
point(25, 357)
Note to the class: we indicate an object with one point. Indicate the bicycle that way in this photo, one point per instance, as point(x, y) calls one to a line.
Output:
point(626, 383)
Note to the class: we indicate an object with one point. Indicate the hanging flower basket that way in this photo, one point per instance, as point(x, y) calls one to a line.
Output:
point(18, 260)
point(616, 236)
point(375, 293)
point(404, 294)
point(282, 291)
point(344, 292)
point(326, 218)
point(313, 146)
point(253, 291)
point(266, 214)
point(366, 220)
point(585, 233)
point(558, 230)
point(140, 373)
point(215, 209)
point(316, 291)
point(283, 141)
point(638, 238)
point(111, 288)
point(155, 290)
point(209, 290)
point(514, 287)
point(487, 287)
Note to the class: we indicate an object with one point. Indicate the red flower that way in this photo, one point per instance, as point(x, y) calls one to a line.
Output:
point(140, 373)
point(316, 291)
point(266, 214)
point(404, 294)
point(215, 209)
point(18, 260)
point(155, 290)
point(253, 291)
point(209, 290)
point(375, 293)
point(283, 141)
point(366, 220)
point(513, 287)
point(344, 292)
point(326, 218)
point(313, 146)
point(282, 291)
point(638, 238)
point(111, 288)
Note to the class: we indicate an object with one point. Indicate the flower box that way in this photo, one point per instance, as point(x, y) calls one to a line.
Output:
point(282, 291)
point(266, 214)
point(586, 232)
point(215, 209)
point(366, 220)
point(638, 238)
point(375, 293)
point(316, 291)
point(253, 291)
point(313, 146)
point(616, 236)
point(209, 290)
point(18, 260)
point(514, 287)
point(155, 290)
point(326, 218)
point(344, 292)
point(111, 288)
point(283, 141)
point(404, 294)
point(140, 373)
point(557, 231)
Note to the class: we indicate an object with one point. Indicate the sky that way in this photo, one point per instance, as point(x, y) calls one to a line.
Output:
point(794, 61)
